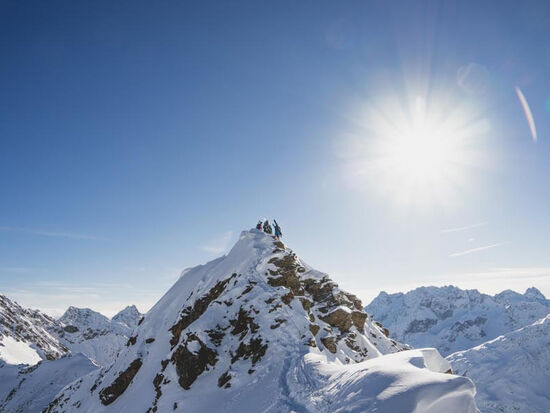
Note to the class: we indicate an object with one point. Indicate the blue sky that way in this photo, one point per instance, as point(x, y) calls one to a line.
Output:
point(139, 139)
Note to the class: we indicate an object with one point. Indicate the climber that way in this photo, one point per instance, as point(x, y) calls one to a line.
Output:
point(278, 232)
point(267, 227)
point(259, 225)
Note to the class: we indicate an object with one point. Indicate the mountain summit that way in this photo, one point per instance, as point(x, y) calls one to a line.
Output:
point(260, 330)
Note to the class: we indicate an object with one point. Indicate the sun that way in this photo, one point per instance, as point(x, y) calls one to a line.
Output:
point(417, 150)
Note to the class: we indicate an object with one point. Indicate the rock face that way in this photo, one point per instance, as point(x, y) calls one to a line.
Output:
point(260, 330)
point(511, 372)
point(24, 335)
point(452, 319)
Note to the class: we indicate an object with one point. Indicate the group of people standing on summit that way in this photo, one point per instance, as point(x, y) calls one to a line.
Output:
point(266, 227)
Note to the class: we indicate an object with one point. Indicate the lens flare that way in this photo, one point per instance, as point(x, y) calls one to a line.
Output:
point(528, 113)
point(416, 150)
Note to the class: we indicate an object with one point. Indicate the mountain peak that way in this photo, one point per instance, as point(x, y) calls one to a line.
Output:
point(253, 330)
point(129, 316)
point(534, 293)
point(84, 318)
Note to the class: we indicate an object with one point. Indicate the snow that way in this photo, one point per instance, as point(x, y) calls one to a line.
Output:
point(91, 333)
point(410, 381)
point(511, 372)
point(30, 390)
point(24, 335)
point(128, 317)
point(452, 319)
point(17, 352)
point(299, 370)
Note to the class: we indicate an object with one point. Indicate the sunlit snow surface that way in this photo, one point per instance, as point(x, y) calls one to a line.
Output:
point(511, 372)
point(17, 352)
point(290, 377)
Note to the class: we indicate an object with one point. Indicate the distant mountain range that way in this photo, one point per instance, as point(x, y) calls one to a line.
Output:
point(40, 355)
point(452, 319)
point(501, 342)
point(512, 372)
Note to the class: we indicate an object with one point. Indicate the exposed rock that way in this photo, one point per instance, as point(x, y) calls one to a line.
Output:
point(243, 323)
point(70, 329)
point(190, 314)
point(254, 350)
point(358, 319)
point(111, 393)
point(306, 304)
point(329, 343)
point(191, 365)
point(216, 335)
point(224, 379)
point(287, 269)
point(340, 319)
point(420, 326)
point(314, 328)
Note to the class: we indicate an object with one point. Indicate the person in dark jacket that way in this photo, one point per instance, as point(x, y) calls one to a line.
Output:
point(267, 227)
point(278, 232)
point(259, 225)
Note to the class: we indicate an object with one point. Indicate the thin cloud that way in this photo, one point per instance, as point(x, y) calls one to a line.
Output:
point(55, 234)
point(220, 244)
point(465, 228)
point(473, 250)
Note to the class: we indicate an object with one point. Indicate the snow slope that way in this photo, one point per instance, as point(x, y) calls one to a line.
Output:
point(452, 319)
point(24, 336)
point(511, 372)
point(86, 331)
point(31, 389)
point(259, 330)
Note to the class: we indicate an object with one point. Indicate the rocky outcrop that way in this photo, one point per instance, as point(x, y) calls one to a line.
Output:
point(110, 393)
point(190, 364)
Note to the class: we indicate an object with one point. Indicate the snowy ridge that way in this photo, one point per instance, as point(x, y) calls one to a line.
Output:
point(24, 336)
point(260, 330)
point(511, 372)
point(452, 319)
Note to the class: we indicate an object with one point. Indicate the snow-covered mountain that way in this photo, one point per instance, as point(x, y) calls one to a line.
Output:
point(452, 319)
point(129, 317)
point(91, 333)
point(31, 389)
point(511, 372)
point(40, 355)
point(24, 336)
point(260, 330)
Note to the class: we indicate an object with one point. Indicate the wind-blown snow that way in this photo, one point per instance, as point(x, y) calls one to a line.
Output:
point(511, 372)
point(259, 330)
